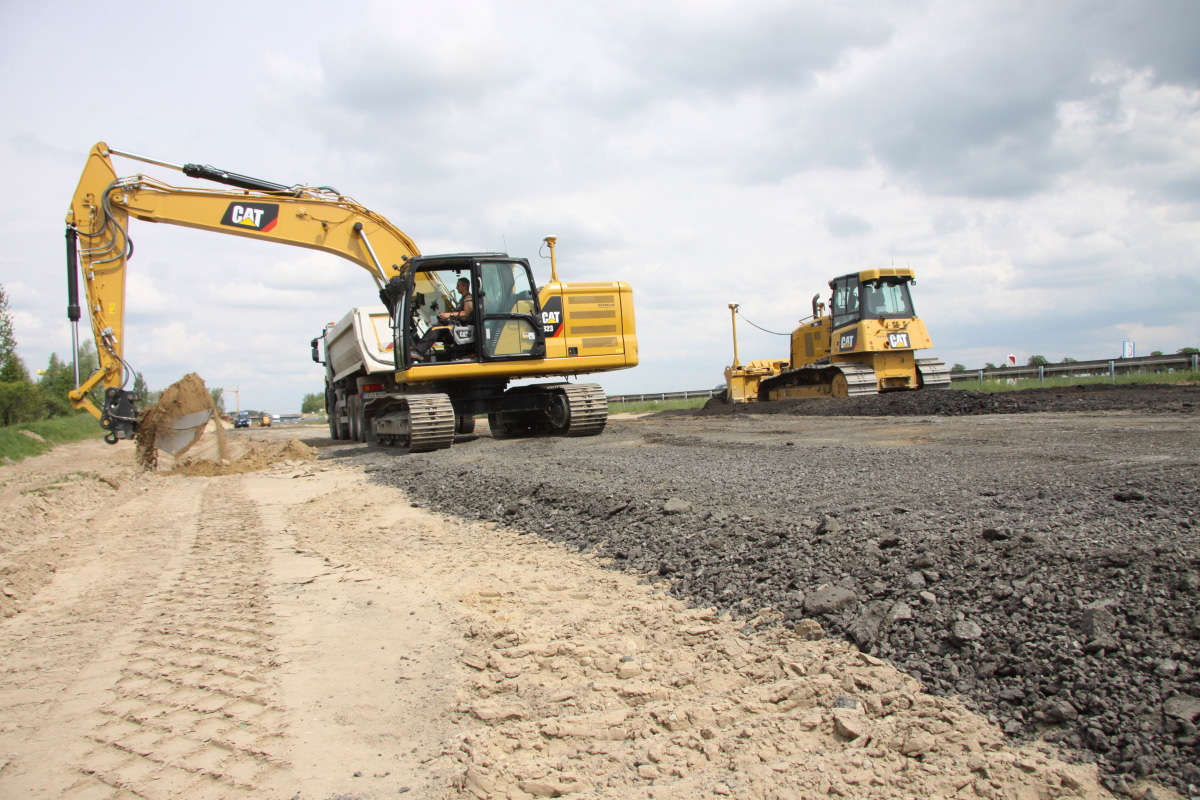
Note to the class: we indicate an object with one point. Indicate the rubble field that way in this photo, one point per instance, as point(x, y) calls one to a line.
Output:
point(1034, 553)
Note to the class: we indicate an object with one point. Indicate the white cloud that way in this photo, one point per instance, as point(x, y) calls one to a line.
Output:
point(1036, 165)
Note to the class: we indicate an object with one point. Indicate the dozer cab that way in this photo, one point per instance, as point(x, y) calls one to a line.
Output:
point(866, 344)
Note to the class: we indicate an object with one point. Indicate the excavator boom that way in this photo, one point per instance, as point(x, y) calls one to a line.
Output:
point(98, 238)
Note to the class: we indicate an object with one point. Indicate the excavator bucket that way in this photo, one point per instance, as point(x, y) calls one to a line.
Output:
point(177, 422)
point(180, 433)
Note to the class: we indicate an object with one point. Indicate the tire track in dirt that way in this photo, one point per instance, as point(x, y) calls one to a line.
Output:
point(193, 711)
point(55, 650)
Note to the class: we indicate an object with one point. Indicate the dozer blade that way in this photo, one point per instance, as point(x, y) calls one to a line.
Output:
point(177, 434)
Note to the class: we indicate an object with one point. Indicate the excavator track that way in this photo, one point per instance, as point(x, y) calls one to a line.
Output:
point(425, 423)
point(560, 409)
point(843, 380)
point(588, 407)
point(934, 374)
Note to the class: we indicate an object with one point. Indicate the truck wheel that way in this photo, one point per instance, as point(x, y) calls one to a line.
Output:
point(360, 422)
point(331, 410)
point(464, 423)
point(352, 415)
point(499, 425)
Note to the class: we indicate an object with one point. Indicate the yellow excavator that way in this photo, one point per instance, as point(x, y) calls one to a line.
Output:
point(561, 329)
point(865, 345)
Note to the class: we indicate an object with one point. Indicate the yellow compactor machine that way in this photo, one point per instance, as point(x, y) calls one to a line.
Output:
point(866, 344)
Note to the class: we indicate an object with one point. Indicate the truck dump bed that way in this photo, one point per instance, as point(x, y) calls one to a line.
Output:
point(361, 340)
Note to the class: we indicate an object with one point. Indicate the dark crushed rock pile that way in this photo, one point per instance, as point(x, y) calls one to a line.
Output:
point(1048, 574)
point(961, 402)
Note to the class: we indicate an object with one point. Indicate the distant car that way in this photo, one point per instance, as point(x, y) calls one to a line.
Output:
point(241, 421)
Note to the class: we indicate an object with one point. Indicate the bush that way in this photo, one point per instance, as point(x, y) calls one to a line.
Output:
point(19, 402)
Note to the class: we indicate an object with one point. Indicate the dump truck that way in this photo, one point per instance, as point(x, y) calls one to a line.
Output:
point(359, 355)
point(866, 345)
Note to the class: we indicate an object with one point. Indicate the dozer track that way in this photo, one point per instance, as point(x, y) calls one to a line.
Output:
point(842, 380)
point(934, 374)
point(425, 423)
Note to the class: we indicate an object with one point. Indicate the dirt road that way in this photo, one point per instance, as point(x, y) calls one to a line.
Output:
point(302, 631)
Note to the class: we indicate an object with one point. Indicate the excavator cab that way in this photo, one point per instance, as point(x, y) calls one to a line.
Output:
point(503, 323)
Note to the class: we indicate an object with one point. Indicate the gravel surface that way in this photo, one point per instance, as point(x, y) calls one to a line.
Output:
point(1044, 566)
point(958, 402)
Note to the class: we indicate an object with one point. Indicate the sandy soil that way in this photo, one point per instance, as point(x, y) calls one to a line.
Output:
point(298, 631)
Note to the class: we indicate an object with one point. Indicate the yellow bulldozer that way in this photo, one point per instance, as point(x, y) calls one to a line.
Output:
point(866, 344)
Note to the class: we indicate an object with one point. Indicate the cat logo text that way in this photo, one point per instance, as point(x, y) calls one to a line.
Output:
point(259, 217)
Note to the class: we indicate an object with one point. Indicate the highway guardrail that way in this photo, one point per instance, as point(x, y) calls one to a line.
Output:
point(1108, 368)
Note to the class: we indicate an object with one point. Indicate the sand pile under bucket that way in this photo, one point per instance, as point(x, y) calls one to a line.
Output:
point(246, 456)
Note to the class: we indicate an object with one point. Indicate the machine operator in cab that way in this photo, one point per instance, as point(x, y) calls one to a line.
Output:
point(461, 315)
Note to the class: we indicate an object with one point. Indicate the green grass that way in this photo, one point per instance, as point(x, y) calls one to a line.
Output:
point(990, 385)
point(15, 445)
point(655, 405)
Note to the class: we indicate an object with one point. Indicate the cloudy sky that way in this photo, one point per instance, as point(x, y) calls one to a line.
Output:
point(1037, 165)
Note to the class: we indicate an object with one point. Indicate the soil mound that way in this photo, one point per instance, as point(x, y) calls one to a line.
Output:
point(960, 403)
point(254, 457)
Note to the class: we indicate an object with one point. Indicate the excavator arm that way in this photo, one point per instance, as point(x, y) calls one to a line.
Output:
point(99, 246)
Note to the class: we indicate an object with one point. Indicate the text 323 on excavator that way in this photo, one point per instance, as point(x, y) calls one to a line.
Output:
point(514, 330)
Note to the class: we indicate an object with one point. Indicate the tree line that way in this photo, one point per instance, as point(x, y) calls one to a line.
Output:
point(24, 398)
point(1042, 361)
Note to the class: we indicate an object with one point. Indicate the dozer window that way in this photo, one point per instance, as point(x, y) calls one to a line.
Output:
point(844, 306)
point(885, 300)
